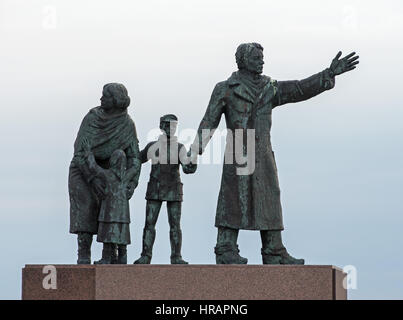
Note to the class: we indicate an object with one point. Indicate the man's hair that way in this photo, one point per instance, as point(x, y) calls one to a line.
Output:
point(119, 93)
point(168, 117)
point(243, 51)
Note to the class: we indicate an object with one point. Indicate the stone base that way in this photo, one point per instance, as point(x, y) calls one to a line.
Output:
point(184, 282)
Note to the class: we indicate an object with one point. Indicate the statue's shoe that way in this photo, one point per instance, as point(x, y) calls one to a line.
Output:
point(143, 260)
point(121, 260)
point(84, 261)
point(281, 259)
point(103, 261)
point(230, 258)
point(228, 254)
point(178, 260)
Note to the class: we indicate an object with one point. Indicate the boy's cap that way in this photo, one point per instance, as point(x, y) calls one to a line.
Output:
point(169, 117)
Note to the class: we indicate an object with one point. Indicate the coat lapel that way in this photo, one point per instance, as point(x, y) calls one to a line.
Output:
point(240, 89)
point(267, 93)
point(243, 92)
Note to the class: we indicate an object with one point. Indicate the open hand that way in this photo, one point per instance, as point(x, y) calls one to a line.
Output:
point(345, 64)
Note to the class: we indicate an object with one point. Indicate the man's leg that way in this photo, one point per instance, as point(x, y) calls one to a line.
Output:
point(175, 232)
point(84, 241)
point(273, 250)
point(152, 211)
point(226, 250)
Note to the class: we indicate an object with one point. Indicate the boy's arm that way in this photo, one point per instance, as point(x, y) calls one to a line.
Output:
point(144, 153)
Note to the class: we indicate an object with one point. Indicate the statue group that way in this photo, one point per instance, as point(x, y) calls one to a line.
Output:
point(106, 165)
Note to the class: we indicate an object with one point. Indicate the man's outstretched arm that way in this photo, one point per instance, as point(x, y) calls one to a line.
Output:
point(300, 90)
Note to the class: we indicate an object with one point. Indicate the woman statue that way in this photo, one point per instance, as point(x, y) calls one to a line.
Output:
point(107, 128)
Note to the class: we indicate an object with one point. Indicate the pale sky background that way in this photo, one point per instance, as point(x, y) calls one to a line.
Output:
point(339, 155)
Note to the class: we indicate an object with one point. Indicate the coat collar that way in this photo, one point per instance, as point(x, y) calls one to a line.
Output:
point(241, 90)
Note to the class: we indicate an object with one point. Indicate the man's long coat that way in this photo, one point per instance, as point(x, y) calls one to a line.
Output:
point(252, 201)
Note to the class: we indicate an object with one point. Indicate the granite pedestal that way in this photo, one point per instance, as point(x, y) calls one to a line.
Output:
point(183, 282)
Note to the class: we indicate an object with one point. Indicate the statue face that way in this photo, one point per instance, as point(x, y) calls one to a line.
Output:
point(169, 127)
point(107, 101)
point(254, 61)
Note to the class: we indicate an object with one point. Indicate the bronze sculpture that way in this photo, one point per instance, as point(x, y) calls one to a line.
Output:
point(164, 185)
point(107, 128)
point(249, 196)
point(252, 201)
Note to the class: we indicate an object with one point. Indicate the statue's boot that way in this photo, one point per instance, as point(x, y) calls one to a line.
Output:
point(273, 250)
point(84, 241)
point(228, 254)
point(143, 260)
point(114, 254)
point(176, 245)
point(226, 250)
point(108, 254)
point(148, 243)
point(122, 254)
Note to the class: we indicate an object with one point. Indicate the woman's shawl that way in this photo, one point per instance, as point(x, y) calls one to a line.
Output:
point(106, 133)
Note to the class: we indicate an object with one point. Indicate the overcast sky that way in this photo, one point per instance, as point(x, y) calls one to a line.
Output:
point(339, 155)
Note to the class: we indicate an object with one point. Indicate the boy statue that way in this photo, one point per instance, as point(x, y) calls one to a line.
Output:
point(114, 216)
point(164, 185)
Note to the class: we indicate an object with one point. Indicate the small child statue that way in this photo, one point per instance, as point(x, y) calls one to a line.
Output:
point(164, 185)
point(114, 216)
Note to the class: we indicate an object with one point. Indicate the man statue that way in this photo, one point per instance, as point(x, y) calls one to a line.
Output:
point(251, 201)
point(165, 185)
point(106, 128)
